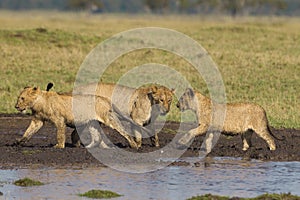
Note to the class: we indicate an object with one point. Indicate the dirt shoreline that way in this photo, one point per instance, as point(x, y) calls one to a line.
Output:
point(39, 151)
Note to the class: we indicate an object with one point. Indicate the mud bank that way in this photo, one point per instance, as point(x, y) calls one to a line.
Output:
point(39, 151)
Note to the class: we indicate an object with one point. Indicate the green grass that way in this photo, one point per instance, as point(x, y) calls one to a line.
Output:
point(30, 152)
point(209, 197)
point(27, 182)
point(100, 194)
point(258, 57)
point(261, 197)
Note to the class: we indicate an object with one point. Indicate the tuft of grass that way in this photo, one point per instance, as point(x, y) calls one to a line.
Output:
point(27, 182)
point(287, 196)
point(209, 197)
point(30, 152)
point(100, 194)
point(169, 131)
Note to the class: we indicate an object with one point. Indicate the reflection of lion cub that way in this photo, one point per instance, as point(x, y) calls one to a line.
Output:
point(57, 108)
point(241, 118)
point(143, 105)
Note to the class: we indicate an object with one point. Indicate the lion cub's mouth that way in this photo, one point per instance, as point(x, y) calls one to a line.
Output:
point(21, 110)
point(163, 112)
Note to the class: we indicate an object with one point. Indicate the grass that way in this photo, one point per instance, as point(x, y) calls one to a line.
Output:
point(258, 58)
point(100, 194)
point(30, 152)
point(27, 182)
point(261, 197)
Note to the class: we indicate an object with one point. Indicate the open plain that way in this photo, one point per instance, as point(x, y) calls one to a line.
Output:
point(258, 59)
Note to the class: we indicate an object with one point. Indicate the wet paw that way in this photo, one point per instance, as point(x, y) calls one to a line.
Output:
point(21, 140)
point(134, 145)
point(59, 146)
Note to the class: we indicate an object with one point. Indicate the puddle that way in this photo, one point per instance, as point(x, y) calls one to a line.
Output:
point(221, 176)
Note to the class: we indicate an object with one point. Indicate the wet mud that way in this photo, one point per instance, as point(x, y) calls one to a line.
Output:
point(39, 150)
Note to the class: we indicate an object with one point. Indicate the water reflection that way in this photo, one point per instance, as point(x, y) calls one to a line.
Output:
point(229, 177)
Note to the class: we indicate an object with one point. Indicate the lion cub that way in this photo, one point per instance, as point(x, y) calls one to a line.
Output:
point(142, 105)
point(241, 118)
point(57, 108)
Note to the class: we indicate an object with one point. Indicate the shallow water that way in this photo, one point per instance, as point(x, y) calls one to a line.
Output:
point(222, 176)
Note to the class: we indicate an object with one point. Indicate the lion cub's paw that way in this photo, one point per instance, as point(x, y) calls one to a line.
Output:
point(59, 146)
point(134, 145)
point(21, 140)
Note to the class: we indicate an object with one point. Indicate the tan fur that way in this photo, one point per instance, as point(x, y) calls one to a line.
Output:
point(240, 118)
point(142, 105)
point(57, 108)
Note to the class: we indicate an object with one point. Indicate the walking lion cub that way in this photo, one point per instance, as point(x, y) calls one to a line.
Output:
point(240, 118)
point(58, 108)
point(142, 105)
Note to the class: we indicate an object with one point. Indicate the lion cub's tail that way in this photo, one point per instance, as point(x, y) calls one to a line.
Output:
point(49, 86)
point(276, 137)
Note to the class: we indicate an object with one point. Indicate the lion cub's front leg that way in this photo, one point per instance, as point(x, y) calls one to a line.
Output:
point(186, 139)
point(115, 123)
point(34, 126)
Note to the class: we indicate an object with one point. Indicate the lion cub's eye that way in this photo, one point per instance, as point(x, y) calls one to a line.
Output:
point(22, 98)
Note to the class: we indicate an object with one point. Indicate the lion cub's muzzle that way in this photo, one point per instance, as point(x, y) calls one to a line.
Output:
point(19, 108)
point(164, 110)
point(160, 109)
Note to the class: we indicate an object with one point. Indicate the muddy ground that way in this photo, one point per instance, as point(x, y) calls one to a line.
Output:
point(39, 151)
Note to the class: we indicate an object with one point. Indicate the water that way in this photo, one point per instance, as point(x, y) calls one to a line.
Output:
point(221, 176)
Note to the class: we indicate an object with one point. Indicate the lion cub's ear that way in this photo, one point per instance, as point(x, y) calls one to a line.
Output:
point(35, 90)
point(173, 91)
point(153, 89)
point(190, 92)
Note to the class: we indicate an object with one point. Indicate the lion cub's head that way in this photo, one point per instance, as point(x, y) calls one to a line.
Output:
point(162, 97)
point(186, 100)
point(27, 98)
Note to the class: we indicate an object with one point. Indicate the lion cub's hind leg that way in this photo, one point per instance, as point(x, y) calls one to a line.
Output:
point(246, 137)
point(61, 135)
point(155, 139)
point(91, 136)
point(75, 138)
point(96, 134)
